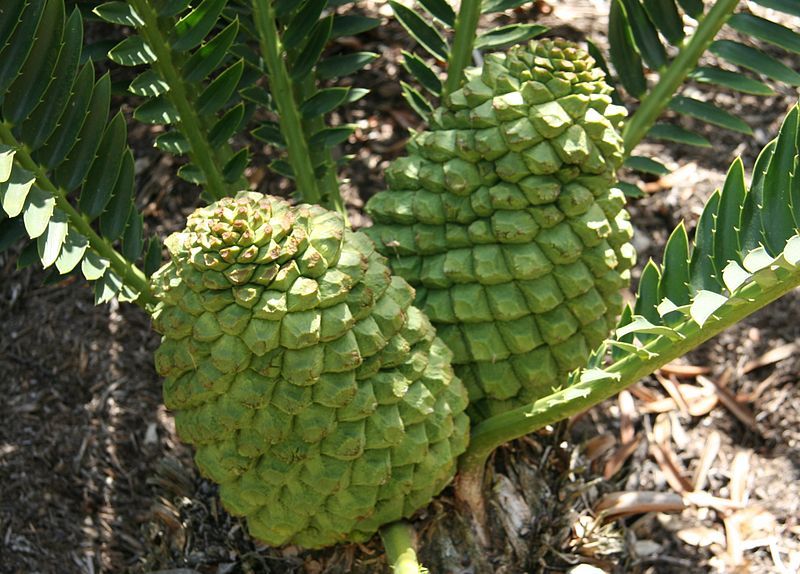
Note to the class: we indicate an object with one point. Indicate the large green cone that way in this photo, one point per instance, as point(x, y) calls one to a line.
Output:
point(315, 394)
point(505, 217)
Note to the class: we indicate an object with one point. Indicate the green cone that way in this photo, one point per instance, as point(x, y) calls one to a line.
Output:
point(315, 394)
point(505, 218)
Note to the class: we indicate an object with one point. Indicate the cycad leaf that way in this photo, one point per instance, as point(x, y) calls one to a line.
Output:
point(38, 210)
point(733, 276)
point(229, 124)
point(220, 90)
point(192, 28)
point(10, 11)
point(312, 51)
point(733, 80)
point(44, 120)
point(192, 174)
point(416, 100)
point(647, 295)
point(646, 165)
point(440, 10)
point(645, 34)
point(624, 55)
point(339, 66)
point(6, 161)
point(148, 84)
point(207, 57)
point(787, 6)
point(777, 218)
point(99, 185)
point(763, 29)
point(351, 25)
point(171, 8)
point(751, 235)
point(157, 111)
point(641, 325)
point(119, 13)
point(328, 137)
point(709, 113)
point(665, 16)
point(234, 167)
point(677, 134)
point(152, 257)
point(324, 101)
point(630, 190)
point(506, 35)
point(702, 270)
point(29, 256)
point(257, 95)
point(675, 268)
point(93, 266)
point(14, 191)
point(729, 213)
point(72, 252)
point(15, 52)
point(704, 305)
point(71, 173)
point(426, 35)
point(693, 8)
point(107, 287)
point(65, 135)
point(755, 60)
point(50, 242)
point(132, 51)
point(25, 91)
point(270, 133)
point(132, 242)
point(300, 27)
point(489, 6)
point(422, 72)
point(113, 219)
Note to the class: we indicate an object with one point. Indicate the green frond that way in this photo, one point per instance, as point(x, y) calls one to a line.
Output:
point(66, 173)
point(294, 42)
point(190, 80)
point(640, 32)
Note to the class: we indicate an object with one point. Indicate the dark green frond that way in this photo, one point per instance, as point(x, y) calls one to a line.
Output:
point(63, 164)
point(639, 30)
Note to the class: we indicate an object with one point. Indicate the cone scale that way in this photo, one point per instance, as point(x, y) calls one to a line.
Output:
point(315, 394)
point(505, 218)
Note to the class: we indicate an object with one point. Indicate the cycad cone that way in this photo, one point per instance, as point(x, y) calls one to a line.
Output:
point(505, 218)
point(315, 394)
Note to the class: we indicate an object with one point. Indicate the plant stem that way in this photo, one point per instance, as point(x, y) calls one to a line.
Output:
point(466, 27)
point(398, 540)
point(282, 92)
point(673, 77)
point(127, 271)
point(189, 122)
point(498, 430)
point(329, 184)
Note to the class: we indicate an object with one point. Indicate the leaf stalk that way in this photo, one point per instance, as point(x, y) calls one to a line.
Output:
point(398, 540)
point(466, 27)
point(127, 271)
point(569, 401)
point(657, 99)
point(189, 123)
point(282, 91)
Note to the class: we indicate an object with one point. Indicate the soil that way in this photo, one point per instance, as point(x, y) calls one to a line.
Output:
point(94, 479)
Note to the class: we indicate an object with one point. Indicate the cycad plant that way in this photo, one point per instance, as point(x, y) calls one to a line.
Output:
point(309, 378)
